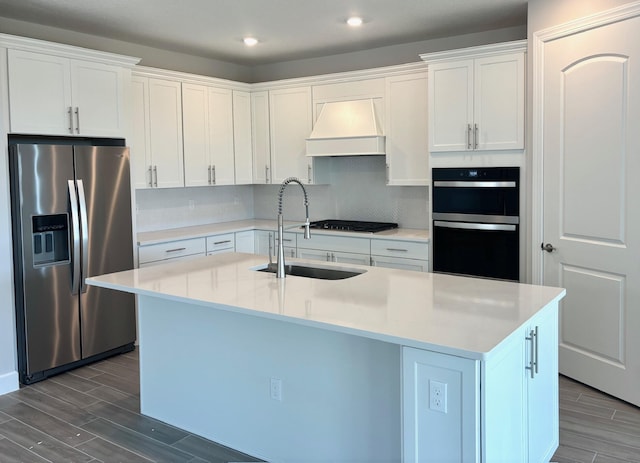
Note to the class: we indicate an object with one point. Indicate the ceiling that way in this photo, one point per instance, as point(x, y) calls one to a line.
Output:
point(286, 29)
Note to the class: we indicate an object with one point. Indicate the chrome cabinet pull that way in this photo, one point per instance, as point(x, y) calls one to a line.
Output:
point(468, 136)
point(155, 175)
point(309, 173)
point(209, 178)
point(475, 137)
point(213, 175)
point(70, 119)
point(221, 242)
point(266, 174)
point(77, 119)
point(386, 173)
point(150, 170)
point(176, 250)
point(397, 250)
point(533, 353)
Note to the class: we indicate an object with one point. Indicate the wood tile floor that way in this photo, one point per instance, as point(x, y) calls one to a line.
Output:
point(595, 427)
point(93, 415)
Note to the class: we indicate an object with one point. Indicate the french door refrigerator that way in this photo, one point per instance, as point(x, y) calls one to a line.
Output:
point(71, 215)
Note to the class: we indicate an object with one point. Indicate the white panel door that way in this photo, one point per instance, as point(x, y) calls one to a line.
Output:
point(195, 132)
point(98, 100)
point(242, 137)
point(39, 93)
point(260, 137)
point(141, 172)
point(221, 136)
point(591, 214)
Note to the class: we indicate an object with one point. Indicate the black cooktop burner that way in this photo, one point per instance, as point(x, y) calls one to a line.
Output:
point(353, 225)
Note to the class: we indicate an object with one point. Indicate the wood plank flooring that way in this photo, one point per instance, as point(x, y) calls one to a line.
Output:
point(595, 427)
point(92, 414)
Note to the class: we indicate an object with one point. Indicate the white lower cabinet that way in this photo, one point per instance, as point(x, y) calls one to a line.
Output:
point(335, 249)
point(219, 244)
point(404, 255)
point(245, 241)
point(266, 243)
point(503, 408)
point(157, 253)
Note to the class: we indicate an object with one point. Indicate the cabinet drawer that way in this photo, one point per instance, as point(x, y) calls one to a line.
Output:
point(397, 248)
point(221, 242)
point(171, 250)
point(336, 243)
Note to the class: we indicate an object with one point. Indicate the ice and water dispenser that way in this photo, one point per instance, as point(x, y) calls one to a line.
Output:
point(50, 239)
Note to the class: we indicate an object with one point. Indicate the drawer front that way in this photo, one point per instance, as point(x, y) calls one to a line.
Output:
point(336, 243)
point(171, 250)
point(221, 242)
point(397, 248)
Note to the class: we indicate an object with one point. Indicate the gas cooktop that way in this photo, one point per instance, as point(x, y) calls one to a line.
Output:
point(352, 225)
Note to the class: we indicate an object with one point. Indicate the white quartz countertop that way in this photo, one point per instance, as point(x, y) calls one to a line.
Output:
point(199, 231)
point(456, 315)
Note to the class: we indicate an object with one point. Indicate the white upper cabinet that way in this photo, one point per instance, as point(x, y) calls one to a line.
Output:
point(476, 98)
point(156, 148)
point(208, 135)
point(242, 137)
point(56, 95)
point(290, 116)
point(260, 137)
point(407, 148)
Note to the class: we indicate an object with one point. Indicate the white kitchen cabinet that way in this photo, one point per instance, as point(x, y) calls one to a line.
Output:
point(407, 146)
point(267, 242)
point(290, 123)
point(208, 135)
point(335, 249)
point(157, 116)
point(242, 137)
point(218, 244)
point(476, 98)
point(171, 250)
point(405, 255)
point(54, 95)
point(260, 137)
point(245, 241)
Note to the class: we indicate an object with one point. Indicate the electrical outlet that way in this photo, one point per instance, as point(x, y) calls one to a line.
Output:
point(438, 396)
point(276, 389)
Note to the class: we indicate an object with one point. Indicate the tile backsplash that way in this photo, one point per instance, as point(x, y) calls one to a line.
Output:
point(357, 191)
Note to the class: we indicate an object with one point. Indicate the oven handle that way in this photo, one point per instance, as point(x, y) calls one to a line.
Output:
point(475, 226)
point(480, 218)
point(460, 184)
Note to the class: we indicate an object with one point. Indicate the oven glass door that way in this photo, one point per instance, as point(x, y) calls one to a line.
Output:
point(485, 250)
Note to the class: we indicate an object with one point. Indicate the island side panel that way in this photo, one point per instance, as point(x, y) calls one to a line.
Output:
point(209, 371)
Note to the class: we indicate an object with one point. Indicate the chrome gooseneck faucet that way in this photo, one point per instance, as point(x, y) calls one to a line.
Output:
point(307, 234)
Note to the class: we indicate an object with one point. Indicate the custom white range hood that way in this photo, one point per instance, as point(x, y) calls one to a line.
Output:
point(346, 128)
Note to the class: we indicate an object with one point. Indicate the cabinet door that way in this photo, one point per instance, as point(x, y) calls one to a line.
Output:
point(97, 98)
point(140, 143)
point(195, 132)
point(165, 123)
point(221, 136)
point(406, 121)
point(350, 258)
point(450, 106)
point(260, 137)
point(499, 102)
point(314, 254)
point(242, 137)
point(400, 263)
point(290, 119)
point(39, 93)
point(542, 389)
point(245, 241)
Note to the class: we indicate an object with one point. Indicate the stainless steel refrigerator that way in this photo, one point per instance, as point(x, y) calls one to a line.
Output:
point(71, 211)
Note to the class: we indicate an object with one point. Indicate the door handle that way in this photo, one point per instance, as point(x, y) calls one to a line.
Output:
point(77, 119)
point(84, 230)
point(69, 113)
point(75, 230)
point(547, 247)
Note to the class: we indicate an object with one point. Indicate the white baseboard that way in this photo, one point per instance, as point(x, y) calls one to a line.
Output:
point(9, 382)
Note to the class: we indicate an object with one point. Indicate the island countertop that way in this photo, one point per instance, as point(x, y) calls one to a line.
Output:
point(461, 316)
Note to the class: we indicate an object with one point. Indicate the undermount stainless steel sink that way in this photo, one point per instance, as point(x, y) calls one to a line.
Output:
point(322, 273)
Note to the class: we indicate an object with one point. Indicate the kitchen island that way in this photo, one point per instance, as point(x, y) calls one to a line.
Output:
point(385, 366)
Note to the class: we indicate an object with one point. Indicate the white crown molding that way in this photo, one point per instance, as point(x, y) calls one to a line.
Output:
point(67, 51)
point(185, 77)
point(476, 52)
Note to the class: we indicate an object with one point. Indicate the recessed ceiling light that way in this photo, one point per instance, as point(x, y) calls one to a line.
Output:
point(250, 41)
point(354, 21)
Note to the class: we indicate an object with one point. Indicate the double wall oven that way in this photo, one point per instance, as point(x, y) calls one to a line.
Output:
point(476, 221)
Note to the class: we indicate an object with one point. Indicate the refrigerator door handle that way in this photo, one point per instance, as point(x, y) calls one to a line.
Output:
point(84, 229)
point(75, 230)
